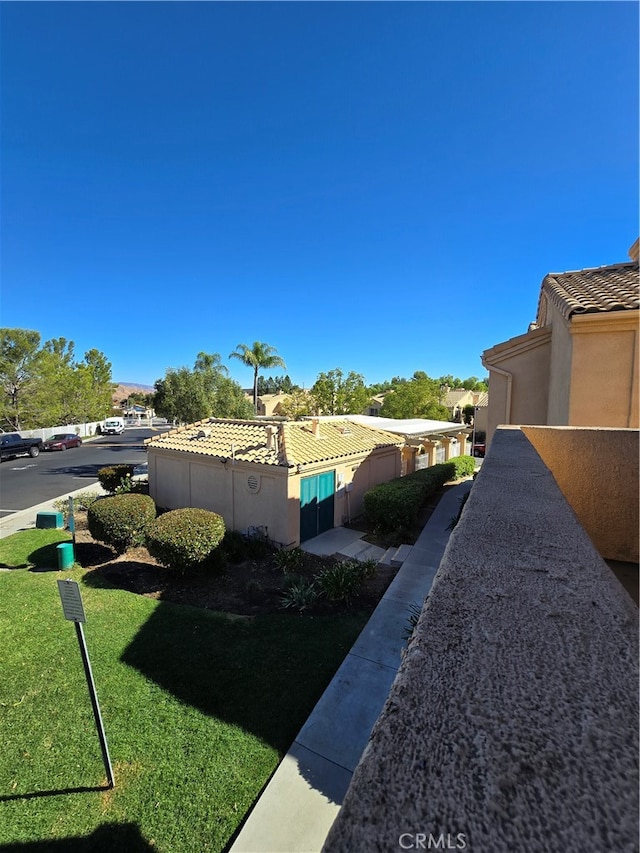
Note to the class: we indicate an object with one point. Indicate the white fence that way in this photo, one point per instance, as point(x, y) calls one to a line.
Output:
point(85, 430)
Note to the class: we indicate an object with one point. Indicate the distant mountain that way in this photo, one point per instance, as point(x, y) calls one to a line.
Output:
point(123, 390)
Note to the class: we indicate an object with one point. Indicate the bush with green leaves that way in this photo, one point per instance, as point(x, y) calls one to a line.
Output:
point(187, 539)
point(345, 580)
point(121, 520)
point(289, 561)
point(396, 504)
point(299, 595)
point(112, 476)
point(81, 503)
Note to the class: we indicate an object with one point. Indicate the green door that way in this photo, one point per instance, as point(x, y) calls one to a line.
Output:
point(316, 504)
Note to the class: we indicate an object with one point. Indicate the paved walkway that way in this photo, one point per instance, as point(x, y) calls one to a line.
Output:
point(299, 804)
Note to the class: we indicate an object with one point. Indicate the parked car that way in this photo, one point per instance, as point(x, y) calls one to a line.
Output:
point(479, 449)
point(13, 444)
point(113, 426)
point(62, 441)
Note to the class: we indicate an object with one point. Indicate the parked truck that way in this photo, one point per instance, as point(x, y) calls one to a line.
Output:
point(12, 444)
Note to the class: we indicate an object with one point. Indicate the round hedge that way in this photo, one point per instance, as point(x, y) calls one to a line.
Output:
point(120, 520)
point(187, 539)
point(112, 476)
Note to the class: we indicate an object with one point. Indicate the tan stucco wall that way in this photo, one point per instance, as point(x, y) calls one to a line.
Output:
point(177, 480)
point(559, 368)
point(604, 374)
point(521, 396)
point(597, 472)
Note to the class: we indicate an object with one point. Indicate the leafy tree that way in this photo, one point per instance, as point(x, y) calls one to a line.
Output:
point(19, 350)
point(181, 396)
point(297, 405)
point(418, 398)
point(46, 386)
point(335, 394)
point(260, 356)
point(186, 396)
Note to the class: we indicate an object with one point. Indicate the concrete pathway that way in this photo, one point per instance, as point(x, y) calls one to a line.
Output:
point(299, 804)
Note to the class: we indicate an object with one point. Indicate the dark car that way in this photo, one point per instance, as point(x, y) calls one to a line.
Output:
point(62, 441)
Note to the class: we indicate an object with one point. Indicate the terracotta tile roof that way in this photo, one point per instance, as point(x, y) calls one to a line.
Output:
point(291, 443)
point(610, 288)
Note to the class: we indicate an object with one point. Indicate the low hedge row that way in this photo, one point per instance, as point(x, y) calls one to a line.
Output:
point(396, 504)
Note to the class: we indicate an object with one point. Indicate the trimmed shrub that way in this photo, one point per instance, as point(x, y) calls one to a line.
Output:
point(112, 476)
point(187, 539)
point(120, 520)
point(396, 504)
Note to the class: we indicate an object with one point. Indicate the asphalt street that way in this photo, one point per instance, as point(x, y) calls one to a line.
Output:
point(25, 482)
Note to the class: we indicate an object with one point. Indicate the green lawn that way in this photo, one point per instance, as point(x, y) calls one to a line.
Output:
point(198, 708)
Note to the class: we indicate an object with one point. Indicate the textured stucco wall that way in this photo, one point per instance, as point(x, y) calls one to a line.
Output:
point(559, 368)
point(604, 376)
point(522, 398)
point(514, 717)
point(597, 471)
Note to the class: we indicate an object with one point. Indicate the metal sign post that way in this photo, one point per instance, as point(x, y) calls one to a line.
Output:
point(71, 521)
point(74, 611)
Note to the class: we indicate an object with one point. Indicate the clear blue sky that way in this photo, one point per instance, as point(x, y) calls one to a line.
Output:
point(379, 187)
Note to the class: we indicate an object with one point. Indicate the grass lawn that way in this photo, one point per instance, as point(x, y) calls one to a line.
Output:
point(198, 709)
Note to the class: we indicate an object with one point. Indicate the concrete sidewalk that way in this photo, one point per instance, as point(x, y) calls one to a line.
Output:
point(300, 802)
point(25, 519)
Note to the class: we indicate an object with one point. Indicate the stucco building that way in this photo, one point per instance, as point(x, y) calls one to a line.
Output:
point(578, 363)
point(291, 481)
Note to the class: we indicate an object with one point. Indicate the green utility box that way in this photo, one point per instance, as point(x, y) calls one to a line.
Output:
point(49, 520)
point(66, 556)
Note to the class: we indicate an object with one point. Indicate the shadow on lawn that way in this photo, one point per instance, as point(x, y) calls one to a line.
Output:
point(263, 674)
point(105, 839)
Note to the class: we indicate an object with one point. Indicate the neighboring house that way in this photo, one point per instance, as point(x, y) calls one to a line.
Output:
point(578, 363)
point(269, 404)
point(457, 399)
point(375, 404)
point(290, 480)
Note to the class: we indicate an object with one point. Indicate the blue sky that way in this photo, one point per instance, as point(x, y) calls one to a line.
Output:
point(379, 187)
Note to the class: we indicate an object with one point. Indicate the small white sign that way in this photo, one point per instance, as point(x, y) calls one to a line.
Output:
point(71, 601)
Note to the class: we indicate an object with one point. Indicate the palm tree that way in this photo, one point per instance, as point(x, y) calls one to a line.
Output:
point(260, 356)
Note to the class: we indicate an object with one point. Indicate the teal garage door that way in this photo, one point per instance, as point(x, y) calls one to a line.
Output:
point(316, 504)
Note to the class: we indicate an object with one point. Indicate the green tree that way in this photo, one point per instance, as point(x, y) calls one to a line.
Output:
point(259, 357)
point(19, 352)
point(335, 394)
point(418, 398)
point(186, 396)
point(297, 405)
point(181, 396)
